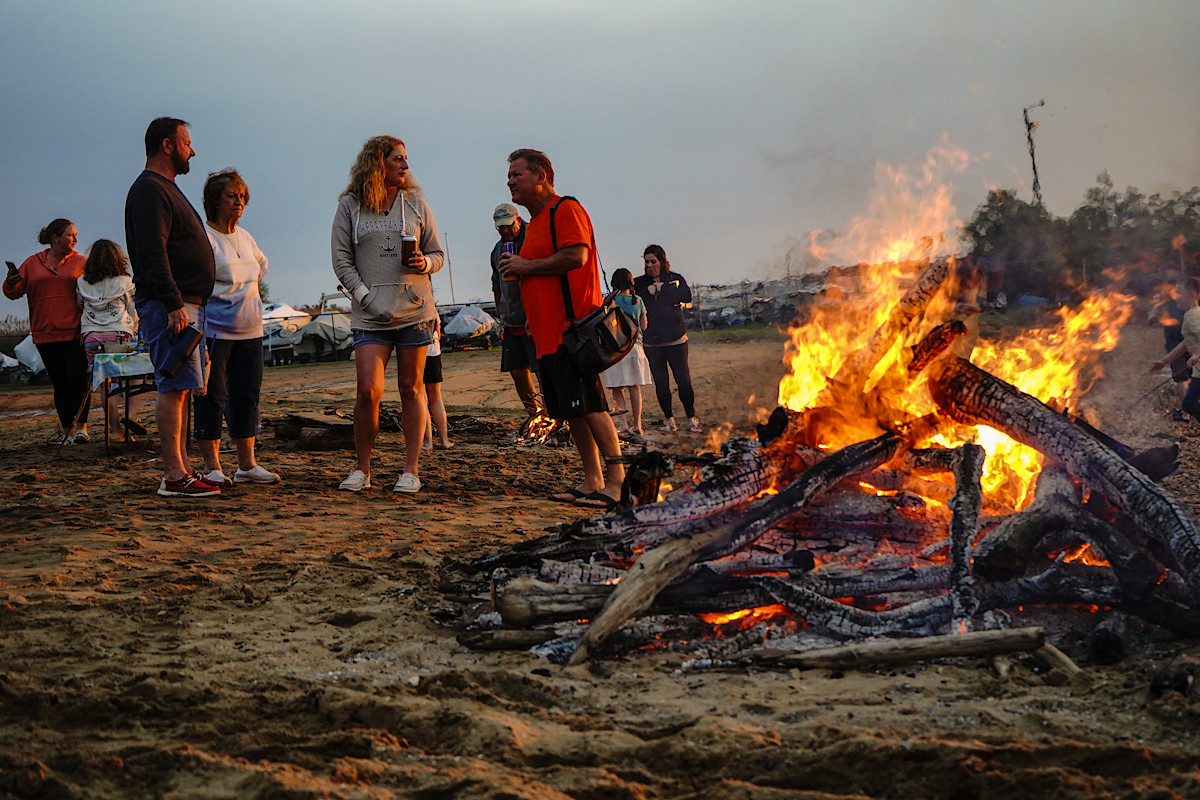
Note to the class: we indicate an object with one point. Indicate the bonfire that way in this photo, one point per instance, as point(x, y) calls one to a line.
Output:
point(915, 481)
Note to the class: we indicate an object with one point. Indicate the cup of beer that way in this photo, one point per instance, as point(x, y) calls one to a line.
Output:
point(408, 246)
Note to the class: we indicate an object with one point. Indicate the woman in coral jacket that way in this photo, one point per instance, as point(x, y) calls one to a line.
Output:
point(48, 280)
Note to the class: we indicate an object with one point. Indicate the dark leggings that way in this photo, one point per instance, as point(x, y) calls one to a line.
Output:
point(676, 357)
point(234, 385)
point(1191, 398)
point(66, 364)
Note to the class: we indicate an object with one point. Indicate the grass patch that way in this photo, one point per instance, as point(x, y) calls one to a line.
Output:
point(750, 332)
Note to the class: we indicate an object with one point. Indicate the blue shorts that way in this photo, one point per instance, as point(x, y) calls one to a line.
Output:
point(152, 319)
point(411, 336)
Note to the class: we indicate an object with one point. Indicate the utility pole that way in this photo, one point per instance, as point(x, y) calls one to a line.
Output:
point(1029, 126)
point(449, 270)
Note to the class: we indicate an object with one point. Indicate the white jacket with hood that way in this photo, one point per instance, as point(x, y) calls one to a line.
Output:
point(107, 305)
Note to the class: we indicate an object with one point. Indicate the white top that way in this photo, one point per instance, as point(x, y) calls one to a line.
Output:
point(235, 309)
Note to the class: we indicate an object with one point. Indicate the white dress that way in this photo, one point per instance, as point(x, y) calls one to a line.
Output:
point(633, 369)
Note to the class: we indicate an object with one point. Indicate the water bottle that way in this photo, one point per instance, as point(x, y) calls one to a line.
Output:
point(181, 349)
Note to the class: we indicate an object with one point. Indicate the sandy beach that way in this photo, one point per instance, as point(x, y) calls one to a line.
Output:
point(295, 641)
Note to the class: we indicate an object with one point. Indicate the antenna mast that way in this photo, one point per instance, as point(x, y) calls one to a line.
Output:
point(1029, 126)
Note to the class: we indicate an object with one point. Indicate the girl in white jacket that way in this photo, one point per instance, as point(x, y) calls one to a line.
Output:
point(106, 296)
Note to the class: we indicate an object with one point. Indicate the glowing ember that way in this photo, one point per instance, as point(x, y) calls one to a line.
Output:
point(747, 617)
point(537, 429)
point(1082, 554)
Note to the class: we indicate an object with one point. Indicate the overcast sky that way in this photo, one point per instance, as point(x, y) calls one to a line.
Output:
point(724, 131)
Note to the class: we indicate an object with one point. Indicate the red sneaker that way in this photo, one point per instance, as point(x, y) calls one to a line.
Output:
point(200, 476)
point(187, 486)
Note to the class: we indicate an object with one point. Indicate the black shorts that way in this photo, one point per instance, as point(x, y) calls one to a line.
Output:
point(433, 369)
point(568, 394)
point(517, 351)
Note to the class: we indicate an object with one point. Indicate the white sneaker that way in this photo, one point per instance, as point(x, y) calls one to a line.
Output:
point(255, 474)
point(357, 481)
point(217, 477)
point(408, 483)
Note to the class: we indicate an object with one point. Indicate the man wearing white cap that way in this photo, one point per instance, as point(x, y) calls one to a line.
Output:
point(517, 355)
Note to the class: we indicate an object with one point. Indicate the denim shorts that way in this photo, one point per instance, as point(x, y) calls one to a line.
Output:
point(408, 337)
point(152, 318)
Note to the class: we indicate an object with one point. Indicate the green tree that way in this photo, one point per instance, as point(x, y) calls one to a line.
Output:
point(1020, 242)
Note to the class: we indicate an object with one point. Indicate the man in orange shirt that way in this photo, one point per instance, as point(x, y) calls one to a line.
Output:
point(560, 247)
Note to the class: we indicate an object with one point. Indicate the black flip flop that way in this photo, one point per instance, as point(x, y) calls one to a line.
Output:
point(597, 500)
point(574, 494)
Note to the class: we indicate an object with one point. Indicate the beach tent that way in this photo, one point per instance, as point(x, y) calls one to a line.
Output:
point(282, 322)
point(281, 330)
point(26, 352)
point(469, 322)
point(325, 337)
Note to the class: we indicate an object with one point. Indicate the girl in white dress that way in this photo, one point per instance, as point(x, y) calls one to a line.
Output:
point(633, 371)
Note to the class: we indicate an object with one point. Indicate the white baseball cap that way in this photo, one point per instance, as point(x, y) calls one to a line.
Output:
point(504, 215)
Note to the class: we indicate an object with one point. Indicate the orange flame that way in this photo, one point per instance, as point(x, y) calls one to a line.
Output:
point(910, 218)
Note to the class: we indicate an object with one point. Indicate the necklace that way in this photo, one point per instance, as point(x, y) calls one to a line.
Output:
point(230, 237)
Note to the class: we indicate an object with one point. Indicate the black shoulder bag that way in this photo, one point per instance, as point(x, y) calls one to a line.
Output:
point(604, 336)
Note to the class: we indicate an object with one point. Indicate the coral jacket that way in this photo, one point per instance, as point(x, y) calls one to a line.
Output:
point(53, 306)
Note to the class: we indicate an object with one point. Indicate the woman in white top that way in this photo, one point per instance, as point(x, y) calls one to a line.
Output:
point(233, 331)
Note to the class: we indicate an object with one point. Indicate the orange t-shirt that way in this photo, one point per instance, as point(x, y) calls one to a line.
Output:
point(542, 295)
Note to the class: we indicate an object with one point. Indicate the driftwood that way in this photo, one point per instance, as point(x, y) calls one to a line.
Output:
point(892, 651)
point(658, 567)
point(968, 394)
point(526, 602)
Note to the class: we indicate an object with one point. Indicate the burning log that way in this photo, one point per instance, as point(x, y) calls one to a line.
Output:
point(744, 470)
point(968, 394)
point(658, 567)
point(852, 377)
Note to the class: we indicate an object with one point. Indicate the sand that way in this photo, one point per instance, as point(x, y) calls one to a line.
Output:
point(299, 642)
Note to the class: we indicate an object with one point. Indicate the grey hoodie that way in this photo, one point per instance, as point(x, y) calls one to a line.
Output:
point(366, 252)
point(107, 305)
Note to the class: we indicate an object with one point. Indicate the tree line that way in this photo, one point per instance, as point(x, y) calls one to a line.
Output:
point(1126, 237)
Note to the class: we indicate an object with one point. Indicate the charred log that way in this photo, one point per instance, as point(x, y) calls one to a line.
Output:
point(851, 379)
point(968, 499)
point(660, 566)
point(1157, 462)
point(527, 602)
point(971, 395)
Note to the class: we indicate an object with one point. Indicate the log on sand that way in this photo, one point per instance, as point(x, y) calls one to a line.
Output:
point(893, 651)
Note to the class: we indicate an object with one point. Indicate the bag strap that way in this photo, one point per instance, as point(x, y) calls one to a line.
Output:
point(568, 306)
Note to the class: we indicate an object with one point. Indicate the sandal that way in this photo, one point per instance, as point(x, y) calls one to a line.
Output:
point(567, 496)
point(597, 500)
